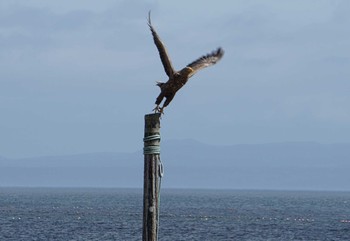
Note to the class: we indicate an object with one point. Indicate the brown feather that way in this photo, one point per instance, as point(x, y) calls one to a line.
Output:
point(206, 61)
point(169, 70)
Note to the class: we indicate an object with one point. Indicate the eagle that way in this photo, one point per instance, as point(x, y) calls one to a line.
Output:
point(177, 79)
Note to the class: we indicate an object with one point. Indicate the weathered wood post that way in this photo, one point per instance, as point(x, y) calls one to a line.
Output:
point(152, 177)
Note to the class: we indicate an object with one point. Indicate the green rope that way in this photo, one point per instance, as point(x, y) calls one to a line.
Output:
point(151, 149)
point(151, 138)
point(160, 173)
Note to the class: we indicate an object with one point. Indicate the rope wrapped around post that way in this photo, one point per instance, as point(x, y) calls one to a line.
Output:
point(151, 149)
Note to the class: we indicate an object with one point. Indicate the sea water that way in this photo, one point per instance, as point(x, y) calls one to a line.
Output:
point(116, 214)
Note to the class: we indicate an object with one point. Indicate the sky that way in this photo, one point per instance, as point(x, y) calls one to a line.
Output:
point(79, 76)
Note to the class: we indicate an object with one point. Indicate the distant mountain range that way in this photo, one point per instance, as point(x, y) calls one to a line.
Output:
point(191, 164)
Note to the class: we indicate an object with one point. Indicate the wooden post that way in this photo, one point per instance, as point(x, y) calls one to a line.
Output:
point(152, 176)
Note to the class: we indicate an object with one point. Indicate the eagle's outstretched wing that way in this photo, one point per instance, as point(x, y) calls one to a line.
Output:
point(161, 49)
point(205, 61)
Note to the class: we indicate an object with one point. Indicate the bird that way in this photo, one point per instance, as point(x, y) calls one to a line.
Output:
point(177, 79)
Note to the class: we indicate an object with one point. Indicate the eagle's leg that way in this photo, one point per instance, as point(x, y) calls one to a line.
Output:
point(166, 103)
point(158, 101)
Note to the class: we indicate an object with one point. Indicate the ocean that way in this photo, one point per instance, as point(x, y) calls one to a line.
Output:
point(116, 214)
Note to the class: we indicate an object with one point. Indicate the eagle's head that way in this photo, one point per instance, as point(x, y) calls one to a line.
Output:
point(160, 84)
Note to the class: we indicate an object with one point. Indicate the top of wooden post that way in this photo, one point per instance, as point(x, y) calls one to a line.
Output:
point(152, 116)
point(152, 124)
point(152, 134)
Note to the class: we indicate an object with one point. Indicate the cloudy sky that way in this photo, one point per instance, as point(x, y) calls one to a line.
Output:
point(79, 76)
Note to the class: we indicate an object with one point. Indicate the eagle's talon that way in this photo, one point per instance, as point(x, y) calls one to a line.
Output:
point(156, 109)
